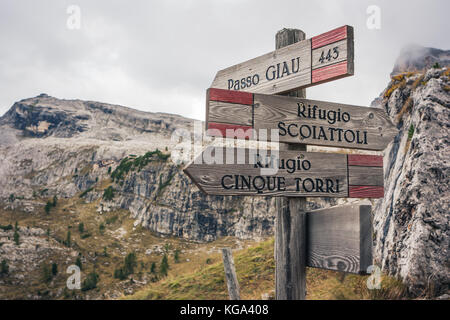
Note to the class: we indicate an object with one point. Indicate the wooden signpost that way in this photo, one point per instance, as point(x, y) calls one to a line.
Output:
point(323, 58)
point(245, 99)
point(242, 115)
point(289, 174)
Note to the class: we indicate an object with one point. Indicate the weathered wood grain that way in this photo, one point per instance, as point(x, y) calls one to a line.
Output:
point(238, 97)
point(289, 68)
point(365, 160)
point(337, 65)
point(223, 130)
point(215, 172)
point(340, 238)
point(290, 251)
point(230, 274)
point(335, 57)
point(331, 72)
point(224, 112)
point(329, 37)
point(365, 176)
point(365, 191)
point(209, 177)
point(369, 128)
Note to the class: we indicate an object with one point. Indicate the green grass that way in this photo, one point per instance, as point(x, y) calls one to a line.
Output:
point(255, 269)
point(137, 163)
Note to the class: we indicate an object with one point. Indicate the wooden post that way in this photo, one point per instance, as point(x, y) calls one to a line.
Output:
point(230, 274)
point(290, 229)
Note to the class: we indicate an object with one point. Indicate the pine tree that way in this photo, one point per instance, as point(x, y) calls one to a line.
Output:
point(130, 263)
point(16, 234)
point(47, 207)
point(78, 262)
point(68, 241)
point(164, 268)
point(176, 256)
point(4, 268)
point(153, 268)
point(81, 227)
point(54, 269)
point(46, 273)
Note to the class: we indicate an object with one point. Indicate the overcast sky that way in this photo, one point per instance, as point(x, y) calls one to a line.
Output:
point(163, 55)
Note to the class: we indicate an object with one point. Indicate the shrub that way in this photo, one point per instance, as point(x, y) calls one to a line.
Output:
point(46, 273)
point(108, 194)
point(111, 220)
point(78, 263)
point(128, 268)
point(436, 66)
point(85, 192)
point(6, 228)
point(410, 132)
point(54, 269)
point(47, 207)
point(85, 235)
point(68, 241)
point(55, 200)
point(153, 268)
point(16, 236)
point(164, 268)
point(137, 163)
point(81, 227)
point(4, 267)
point(130, 262)
point(101, 228)
point(176, 256)
point(119, 274)
point(90, 282)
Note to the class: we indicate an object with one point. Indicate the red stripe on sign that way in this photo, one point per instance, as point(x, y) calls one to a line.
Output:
point(365, 192)
point(231, 96)
point(328, 72)
point(365, 160)
point(229, 130)
point(329, 37)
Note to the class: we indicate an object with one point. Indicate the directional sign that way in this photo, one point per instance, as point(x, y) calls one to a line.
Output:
point(250, 172)
point(233, 114)
point(323, 58)
point(340, 238)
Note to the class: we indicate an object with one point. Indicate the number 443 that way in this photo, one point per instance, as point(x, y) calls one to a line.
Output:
point(331, 54)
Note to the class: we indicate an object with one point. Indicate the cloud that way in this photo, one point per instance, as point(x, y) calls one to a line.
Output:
point(161, 56)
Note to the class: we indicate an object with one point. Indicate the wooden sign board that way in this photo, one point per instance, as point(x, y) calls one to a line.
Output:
point(234, 114)
point(323, 58)
point(249, 172)
point(340, 238)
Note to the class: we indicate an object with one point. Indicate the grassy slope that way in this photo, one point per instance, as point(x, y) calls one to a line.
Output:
point(255, 268)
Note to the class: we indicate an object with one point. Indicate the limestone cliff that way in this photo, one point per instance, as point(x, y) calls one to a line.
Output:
point(412, 222)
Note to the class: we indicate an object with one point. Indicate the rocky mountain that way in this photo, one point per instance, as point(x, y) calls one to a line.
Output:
point(412, 221)
point(65, 147)
point(117, 159)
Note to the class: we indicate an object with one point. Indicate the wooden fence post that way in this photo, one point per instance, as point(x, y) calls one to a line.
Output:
point(290, 229)
point(230, 274)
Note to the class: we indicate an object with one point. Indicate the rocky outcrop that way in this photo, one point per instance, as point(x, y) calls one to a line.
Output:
point(41, 161)
point(412, 222)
